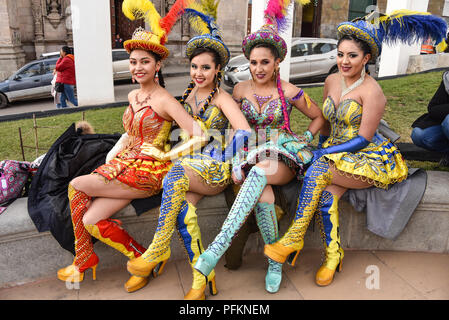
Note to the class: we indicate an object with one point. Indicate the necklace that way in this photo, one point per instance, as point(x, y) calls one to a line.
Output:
point(197, 103)
point(345, 89)
point(261, 100)
point(148, 97)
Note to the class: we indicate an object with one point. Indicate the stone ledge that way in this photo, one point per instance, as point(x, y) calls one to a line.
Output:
point(28, 255)
point(424, 62)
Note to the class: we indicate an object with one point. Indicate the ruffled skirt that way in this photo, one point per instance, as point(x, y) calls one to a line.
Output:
point(380, 163)
point(146, 175)
point(291, 150)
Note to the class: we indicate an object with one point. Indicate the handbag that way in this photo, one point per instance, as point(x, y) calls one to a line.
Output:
point(59, 87)
point(14, 177)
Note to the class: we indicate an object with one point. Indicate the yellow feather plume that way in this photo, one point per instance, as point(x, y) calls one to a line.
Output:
point(303, 2)
point(143, 9)
point(198, 24)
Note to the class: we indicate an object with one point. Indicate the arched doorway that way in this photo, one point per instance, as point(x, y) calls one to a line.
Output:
point(120, 24)
point(311, 19)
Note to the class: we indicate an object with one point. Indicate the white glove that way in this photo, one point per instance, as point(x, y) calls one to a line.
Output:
point(121, 143)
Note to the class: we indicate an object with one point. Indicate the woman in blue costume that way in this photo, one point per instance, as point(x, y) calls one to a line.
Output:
point(276, 155)
point(351, 155)
point(201, 173)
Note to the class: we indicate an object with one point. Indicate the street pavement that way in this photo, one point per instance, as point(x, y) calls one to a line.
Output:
point(366, 275)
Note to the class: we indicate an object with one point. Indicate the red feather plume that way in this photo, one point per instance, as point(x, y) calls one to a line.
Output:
point(172, 16)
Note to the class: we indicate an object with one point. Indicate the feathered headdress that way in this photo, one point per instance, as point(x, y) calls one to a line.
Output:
point(155, 39)
point(276, 21)
point(405, 26)
point(210, 36)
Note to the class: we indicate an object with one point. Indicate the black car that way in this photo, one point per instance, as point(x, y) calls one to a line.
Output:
point(31, 81)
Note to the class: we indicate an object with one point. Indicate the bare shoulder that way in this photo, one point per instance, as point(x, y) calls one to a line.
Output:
point(132, 95)
point(222, 99)
point(240, 89)
point(372, 91)
point(164, 97)
point(332, 78)
point(290, 90)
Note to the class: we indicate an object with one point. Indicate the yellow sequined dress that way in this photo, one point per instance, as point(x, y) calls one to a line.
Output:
point(379, 163)
point(212, 171)
point(132, 167)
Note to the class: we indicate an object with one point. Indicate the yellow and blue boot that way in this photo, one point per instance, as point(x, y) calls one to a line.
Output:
point(175, 186)
point(318, 177)
point(328, 215)
point(190, 233)
point(268, 225)
point(244, 203)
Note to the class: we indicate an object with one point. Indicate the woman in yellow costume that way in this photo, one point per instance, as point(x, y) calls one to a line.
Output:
point(205, 172)
point(351, 155)
point(130, 173)
point(277, 155)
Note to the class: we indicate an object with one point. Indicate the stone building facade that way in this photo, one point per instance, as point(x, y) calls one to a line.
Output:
point(29, 28)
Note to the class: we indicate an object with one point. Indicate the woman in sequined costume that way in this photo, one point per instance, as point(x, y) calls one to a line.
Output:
point(275, 154)
point(350, 155)
point(202, 173)
point(129, 173)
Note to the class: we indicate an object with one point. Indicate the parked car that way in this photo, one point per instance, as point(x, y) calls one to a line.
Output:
point(311, 59)
point(31, 81)
point(120, 63)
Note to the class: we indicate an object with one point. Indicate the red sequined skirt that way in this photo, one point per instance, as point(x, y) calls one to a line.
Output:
point(146, 175)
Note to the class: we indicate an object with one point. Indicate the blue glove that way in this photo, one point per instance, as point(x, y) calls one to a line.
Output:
point(352, 145)
point(238, 141)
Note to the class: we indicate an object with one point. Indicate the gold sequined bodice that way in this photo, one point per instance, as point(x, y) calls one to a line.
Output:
point(344, 120)
point(145, 125)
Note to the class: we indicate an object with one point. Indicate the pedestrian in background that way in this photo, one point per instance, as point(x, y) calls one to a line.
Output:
point(118, 42)
point(65, 80)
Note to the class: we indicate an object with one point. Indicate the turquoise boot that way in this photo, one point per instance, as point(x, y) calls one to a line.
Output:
point(244, 203)
point(267, 222)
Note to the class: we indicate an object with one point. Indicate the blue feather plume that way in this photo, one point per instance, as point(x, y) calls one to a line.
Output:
point(411, 27)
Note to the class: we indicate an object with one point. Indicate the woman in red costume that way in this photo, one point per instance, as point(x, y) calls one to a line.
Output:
point(130, 174)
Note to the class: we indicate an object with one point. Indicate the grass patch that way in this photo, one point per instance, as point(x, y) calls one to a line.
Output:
point(407, 99)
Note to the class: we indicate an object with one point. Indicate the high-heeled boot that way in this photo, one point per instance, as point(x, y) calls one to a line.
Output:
point(85, 257)
point(268, 225)
point(244, 203)
point(328, 217)
point(110, 232)
point(153, 260)
point(190, 233)
point(317, 178)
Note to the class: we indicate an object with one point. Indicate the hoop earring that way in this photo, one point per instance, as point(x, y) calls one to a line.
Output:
point(275, 73)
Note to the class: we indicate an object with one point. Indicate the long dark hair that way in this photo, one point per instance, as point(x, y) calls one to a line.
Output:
point(216, 59)
point(159, 74)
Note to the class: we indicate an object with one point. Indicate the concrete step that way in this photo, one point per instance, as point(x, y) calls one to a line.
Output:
point(28, 255)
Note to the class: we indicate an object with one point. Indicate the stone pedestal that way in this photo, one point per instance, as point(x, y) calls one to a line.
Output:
point(12, 55)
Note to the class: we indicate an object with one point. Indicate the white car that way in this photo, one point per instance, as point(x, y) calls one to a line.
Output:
point(311, 59)
point(120, 63)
